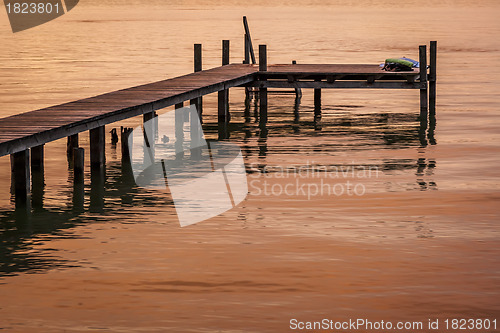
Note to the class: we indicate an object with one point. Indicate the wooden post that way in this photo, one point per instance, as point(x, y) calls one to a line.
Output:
point(124, 139)
point(223, 95)
point(317, 103)
point(20, 164)
point(225, 52)
point(78, 164)
point(249, 38)
point(148, 116)
point(298, 91)
point(198, 102)
point(71, 144)
point(37, 176)
point(263, 90)
point(179, 130)
point(432, 81)
point(247, 50)
point(423, 90)
point(97, 147)
point(37, 158)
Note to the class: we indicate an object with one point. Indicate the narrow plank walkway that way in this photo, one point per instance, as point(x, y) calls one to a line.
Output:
point(30, 129)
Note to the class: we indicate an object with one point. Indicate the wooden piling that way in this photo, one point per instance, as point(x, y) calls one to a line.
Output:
point(225, 52)
point(432, 80)
point(317, 103)
point(249, 39)
point(223, 95)
point(20, 165)
point(78, 164)
point(97, 147)
point(37, 158)
point(246, 50)
point(37, 177)
point(125, 140)
point(71, 144)
point(148, 116)
point(263, 90)
point(423, 89)
point(179, 130)
point(198, 66)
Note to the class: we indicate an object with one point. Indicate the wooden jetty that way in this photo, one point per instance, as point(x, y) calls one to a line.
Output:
point(23, 136)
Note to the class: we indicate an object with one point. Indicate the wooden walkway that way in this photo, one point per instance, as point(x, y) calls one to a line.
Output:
point(23, 136)
point(30, 129)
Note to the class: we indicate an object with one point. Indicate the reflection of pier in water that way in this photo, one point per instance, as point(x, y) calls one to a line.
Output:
point(114, 188)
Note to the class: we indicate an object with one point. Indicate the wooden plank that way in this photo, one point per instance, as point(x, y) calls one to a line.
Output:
point(336, 85)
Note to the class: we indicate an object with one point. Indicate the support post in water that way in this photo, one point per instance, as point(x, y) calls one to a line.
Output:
point(432, 81)
point(78, 179)
point(179, 130)
point(317, 103)
point(20, 167)
point(223, 95)
point(71, 144)
point(97, 148)
point(263, 90)
point(423, 89)
point(124, 139)
point(198, 65)
point(78, 164)
point(37, 176)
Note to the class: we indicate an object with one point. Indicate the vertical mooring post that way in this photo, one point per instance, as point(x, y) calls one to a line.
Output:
point(432, 81)
point(198, 65)
point(317, 102)
point(78, 179)
point(97, 148)
point(179, 130)
point(223, 95)
point(71, 144)
point(20, 167)
point(78, 164)
point(263, 90)
point(125, 140)
point(423, 88)
point(37, 176)
point(247, 50)
point(298, 91)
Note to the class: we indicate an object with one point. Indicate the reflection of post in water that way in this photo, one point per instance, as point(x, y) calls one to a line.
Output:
point(425, 168)
point(262, 142)
point(426, 135)
point(38, 178)
point(78, 180)
point(296, 114)
point(432, 128)
point(97, 190)
point(20, 179)
point(179, 130)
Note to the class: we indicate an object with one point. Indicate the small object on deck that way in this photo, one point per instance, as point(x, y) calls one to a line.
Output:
point(398, 65)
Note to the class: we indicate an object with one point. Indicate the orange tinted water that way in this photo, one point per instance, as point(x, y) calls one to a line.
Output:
point(421, 242)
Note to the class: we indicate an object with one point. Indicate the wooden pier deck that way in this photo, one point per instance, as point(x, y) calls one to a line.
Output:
point(34, 128)
point(23, 136)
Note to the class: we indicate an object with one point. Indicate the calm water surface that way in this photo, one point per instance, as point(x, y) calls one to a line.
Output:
point(420, 242)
